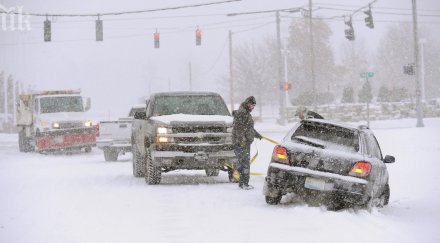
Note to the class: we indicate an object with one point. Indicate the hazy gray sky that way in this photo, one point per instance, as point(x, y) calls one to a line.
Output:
point(125, 66)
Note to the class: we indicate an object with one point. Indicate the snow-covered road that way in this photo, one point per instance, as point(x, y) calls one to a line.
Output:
point(82, 198)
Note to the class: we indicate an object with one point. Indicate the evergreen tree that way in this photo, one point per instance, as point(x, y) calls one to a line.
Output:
point(366, 94)
point(348, 95)
point(384, 94)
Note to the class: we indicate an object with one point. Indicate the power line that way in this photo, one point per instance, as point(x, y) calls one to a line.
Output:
point(386, 8)
point(119, 13)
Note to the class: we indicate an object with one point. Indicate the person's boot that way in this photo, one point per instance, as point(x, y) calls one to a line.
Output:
point(247, 187)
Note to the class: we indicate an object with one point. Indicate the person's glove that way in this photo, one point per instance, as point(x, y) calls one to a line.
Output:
point(258, 136)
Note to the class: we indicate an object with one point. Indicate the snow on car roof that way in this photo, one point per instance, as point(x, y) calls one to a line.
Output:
point(180, 93)
point(167, 119)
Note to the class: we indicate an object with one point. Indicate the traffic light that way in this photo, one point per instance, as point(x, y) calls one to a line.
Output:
point(285, 86)
point(47, 30)
point(99, 30)
point(369, 18)
point(349, 33)
point(198, 37)
point(156, 39)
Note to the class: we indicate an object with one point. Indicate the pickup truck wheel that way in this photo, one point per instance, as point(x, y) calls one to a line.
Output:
point(273, 200)
point(110, 155)
point(153, 174)
point(212, 172)
point(138, 165)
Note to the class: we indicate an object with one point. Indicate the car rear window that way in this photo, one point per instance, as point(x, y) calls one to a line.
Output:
point(330, 136)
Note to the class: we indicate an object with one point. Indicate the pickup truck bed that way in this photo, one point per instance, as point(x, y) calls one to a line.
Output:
point(114, 138)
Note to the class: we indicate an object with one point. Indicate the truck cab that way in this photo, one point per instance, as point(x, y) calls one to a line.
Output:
point(54, 120)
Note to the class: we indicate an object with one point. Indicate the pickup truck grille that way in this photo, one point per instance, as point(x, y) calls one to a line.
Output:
point(197, 140)
point(198, 129)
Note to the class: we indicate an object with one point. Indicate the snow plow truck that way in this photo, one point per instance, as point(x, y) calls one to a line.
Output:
point(53, 121)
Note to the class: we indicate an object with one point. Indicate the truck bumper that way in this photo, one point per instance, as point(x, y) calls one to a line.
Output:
point(116, 145)
point(193, 161)
point(65, 139)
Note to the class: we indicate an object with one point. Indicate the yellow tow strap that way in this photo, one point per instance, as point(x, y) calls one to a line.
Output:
point(235, 173)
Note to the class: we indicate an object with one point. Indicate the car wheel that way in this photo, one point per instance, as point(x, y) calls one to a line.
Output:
point(380, 201)
point(153, 174)
point(273, 200)
point(110, 154)
point(138, 163)
point(384, 197)
point(212, 172)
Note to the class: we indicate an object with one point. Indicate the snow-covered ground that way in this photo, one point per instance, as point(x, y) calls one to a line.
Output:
point(81, 198)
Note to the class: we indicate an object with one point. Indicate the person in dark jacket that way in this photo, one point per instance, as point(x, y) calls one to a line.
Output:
point(243, 134)
point(302, 112)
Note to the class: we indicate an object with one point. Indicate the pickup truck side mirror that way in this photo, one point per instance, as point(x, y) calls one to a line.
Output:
point(88, 103)
point(389, 159)
point(140, 115)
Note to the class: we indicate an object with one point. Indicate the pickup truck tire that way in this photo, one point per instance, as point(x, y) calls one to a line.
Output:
point(153, 174)
point(138, 163)
point(110, 154)
point(24, 143)
point(212, 172)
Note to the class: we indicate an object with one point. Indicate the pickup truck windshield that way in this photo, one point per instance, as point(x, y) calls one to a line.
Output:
point(61, 104)
point(191, 104)
point(329, 135)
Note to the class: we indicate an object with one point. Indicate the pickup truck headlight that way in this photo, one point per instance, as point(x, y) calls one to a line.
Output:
point(163, 130)
point(229, 129)
point(56, 125)
point(88, 123)
point(165, 139)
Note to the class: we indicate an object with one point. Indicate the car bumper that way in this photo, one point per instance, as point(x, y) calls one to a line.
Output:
point(66, 139)
point(282, 179)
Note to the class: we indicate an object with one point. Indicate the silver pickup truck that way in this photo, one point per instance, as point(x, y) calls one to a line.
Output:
point(115, 136)
point(182, 130)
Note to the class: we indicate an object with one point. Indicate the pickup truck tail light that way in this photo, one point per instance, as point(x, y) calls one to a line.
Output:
point(97, 129)
point(279, 155)
point(360, 169)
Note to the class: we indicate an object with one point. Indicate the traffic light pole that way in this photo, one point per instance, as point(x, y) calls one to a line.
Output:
point(231, 80)
point(417, 69)
point(282, 111)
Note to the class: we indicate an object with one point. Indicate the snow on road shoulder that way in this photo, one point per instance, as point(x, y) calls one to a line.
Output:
point(82, 198)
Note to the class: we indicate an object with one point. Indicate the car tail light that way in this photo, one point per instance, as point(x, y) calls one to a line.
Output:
point(360, 169)
point(280, 155)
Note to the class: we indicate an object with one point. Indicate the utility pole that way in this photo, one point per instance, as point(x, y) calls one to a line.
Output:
point(422, 69)
point(312, 54)
point(417, 67)
point(282, 111)
point(190, 77)
point(231, 79)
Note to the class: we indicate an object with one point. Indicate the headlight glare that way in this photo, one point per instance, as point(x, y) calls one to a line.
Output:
point(88, 123)
point(55, 125)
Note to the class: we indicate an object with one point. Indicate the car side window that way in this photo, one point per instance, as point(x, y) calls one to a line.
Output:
point(373, 147)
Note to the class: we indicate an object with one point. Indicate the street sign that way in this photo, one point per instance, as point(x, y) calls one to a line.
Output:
point(367, 74)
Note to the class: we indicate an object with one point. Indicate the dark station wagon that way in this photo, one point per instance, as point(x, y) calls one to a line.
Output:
point(329, 163)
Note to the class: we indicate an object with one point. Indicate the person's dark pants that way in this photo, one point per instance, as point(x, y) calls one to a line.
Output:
point(243, 167)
